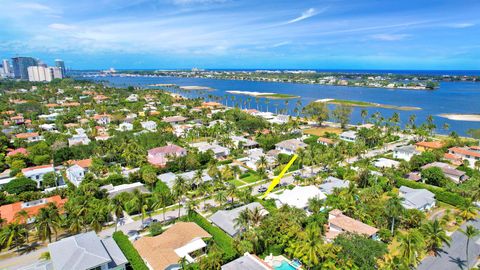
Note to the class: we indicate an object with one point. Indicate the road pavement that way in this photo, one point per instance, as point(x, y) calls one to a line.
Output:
point(454, 257)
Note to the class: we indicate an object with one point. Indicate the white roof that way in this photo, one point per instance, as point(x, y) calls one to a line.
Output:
point(298, 197)
point(195, 244)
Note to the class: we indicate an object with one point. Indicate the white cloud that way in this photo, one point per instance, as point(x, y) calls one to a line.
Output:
point(60, 26)
point(35, 6)
point(389, 37)
point(305, 15)
point(461, 25)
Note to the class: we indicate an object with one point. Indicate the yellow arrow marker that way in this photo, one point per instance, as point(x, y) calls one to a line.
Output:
point(277, 179)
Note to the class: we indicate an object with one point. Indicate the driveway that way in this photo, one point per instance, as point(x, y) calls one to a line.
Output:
point(454, 257)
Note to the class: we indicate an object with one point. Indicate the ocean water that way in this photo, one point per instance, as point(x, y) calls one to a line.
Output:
point(451, 97)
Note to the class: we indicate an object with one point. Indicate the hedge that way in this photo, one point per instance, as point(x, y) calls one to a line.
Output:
point(440, 193)
point(223, 240)
point(136, 262)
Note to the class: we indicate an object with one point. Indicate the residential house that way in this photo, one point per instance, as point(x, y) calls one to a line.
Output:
point(29, 137)
point(18, 151)
point(9, 212)
point(420, 199)
point(164, 251)
point(225, 219)
point(113, 191)
point(149, 125)
point(331, 183)
point(405, 152)
point(84, 163)
point(450, 171)
point(247, 262)
point(244, 142)
point(78, 139)
point(426, 146)
point(298, 196)
point(470, 154)
point(349, 136)
point(75, 174)
point(36, 173)
point(218, 151)
point(49, 117)
point(385, 163)
point(102, 119)
point(159, 156)
point(125, 126)
point(169, 178)
point(253, 156)
point(326, 141)
point(174, 119)
point(132, 98)
point(339, 223)
point(290, 147)
point(18, 119)
point(86, 251)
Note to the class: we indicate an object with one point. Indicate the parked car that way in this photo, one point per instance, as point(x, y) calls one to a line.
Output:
point(146, 223)
point(133, 235)
point(262, 189)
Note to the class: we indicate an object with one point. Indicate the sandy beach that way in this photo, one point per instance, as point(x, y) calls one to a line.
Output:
point(195, 87)
point(249, 93)
point(461, 117)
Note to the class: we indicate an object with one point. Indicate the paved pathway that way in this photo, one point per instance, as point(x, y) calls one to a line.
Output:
point(454, 257)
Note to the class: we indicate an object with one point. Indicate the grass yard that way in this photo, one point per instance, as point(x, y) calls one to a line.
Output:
point(320, 131)
point(236, 182)
point(251, 178)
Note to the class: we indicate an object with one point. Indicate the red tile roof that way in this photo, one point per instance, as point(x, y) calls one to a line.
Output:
point(431, 145)
point(166, 150)
point(464, 151)
point(37, 168)
point(26, 135)
point(9, 211)
point(84, 163)
point(22, 151)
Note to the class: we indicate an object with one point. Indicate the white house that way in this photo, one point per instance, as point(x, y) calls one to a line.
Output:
point(36, 173)
point(149, 125)
point(86, 251)
point(125, 126)
point(405, 152)
point(48, 117)
point(75, 174)
point(386, 163)
point(420, 199)
point(290, 147)
point(78, 139)
point(349, 136)
point(115, 190)
point(132, 98)
point(298, 197)
point(218, 151)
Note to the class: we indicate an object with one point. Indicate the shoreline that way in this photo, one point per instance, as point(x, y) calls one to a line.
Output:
point(268, 95)
point(196, 88)
point(365, 104)
point(461, 117)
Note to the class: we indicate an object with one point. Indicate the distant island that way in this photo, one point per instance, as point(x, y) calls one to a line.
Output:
point(196, 88)
point(262, 94)
point(461, 117)
point(356, 103)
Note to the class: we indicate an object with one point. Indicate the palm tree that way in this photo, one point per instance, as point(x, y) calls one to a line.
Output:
point(470, 232)
point(363, 114)
point(13, 232)
point(435, 235)
point(220, 197)
point(256, 217)
point(468, 211)
point(180, 187)
point(394, 208)
point(242, 221)
point(231, 191)
point(315, 204)
point(116, 207)
point(139, 203)
point(410, 244)
point(309, 246)
point(47, 222)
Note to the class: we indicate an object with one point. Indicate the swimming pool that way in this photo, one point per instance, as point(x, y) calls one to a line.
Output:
point(284, 266)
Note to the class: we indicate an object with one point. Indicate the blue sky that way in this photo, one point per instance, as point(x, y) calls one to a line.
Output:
point(322, 34)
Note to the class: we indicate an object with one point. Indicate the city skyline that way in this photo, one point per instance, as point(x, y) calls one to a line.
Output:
point(220, 34)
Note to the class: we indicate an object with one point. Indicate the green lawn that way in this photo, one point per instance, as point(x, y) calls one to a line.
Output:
point(237, 183)
point(251, 178)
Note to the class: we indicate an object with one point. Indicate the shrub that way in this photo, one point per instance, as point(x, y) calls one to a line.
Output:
point(440, 194)
point(19, 185)
point(136, 262)
point(223, 240)
point(156, 228)
point(245, 175)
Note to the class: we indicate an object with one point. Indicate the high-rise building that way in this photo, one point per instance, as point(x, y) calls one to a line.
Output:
point(44, 74)
point(60, 64)
point(20, 66)
point(6, 68)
